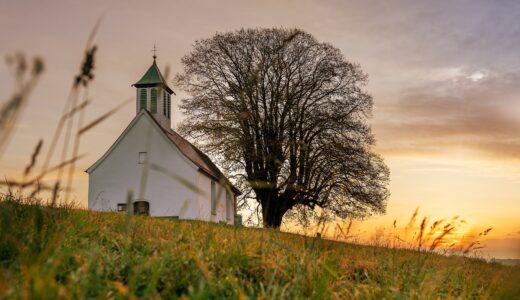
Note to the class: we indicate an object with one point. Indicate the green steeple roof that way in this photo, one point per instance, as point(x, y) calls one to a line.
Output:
point(153, 77)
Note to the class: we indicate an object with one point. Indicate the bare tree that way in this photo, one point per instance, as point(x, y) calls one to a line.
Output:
point(288, 115)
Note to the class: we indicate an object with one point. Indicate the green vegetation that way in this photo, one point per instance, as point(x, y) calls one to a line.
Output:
point(59, 252)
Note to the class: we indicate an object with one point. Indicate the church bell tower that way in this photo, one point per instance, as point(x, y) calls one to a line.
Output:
point(154, 94)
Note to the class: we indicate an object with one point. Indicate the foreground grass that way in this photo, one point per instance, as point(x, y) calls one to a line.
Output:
point(53, 253)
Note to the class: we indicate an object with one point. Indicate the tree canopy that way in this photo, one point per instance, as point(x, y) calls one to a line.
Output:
point(287, 115)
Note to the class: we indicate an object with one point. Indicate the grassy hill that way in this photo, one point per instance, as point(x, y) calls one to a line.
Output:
point(53, 253)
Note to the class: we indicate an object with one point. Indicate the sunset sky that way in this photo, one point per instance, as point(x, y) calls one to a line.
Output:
point(445, 77)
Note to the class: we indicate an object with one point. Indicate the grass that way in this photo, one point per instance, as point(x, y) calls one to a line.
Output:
point(54, 251)
point(60, 253)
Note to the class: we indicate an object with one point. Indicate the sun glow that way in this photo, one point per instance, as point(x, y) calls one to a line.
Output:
point(476, 76)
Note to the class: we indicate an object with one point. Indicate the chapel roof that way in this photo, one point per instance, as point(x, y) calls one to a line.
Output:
point(153, 77)
point(192, 153)
point(195, 155)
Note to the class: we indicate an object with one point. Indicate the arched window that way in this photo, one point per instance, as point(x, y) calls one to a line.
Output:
point(142, 99)
point(165, 103)
point(153, 103)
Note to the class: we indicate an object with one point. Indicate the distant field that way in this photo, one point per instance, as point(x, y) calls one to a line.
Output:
point(53, 253)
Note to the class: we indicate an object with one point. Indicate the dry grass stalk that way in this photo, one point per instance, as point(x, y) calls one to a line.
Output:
point(67, 118)
point(25, 82)
point(34, 156)
point(102, 117)
point(75, 150)
point(83, 78)
point(440, 239)
point(22, 185)
point(36, 180)
point(422, 228)
point(176, 177)
point(411, 223)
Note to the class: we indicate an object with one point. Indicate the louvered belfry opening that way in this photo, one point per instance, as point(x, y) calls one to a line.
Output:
point(151, 89)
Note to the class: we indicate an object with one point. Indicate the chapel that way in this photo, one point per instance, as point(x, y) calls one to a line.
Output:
point(166, 175)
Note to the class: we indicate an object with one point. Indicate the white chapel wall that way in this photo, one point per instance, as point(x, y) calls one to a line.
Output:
point(205, 201)
point(120, 172)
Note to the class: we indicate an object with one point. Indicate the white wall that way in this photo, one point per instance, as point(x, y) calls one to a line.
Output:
point(120, 172)
point(204, 182)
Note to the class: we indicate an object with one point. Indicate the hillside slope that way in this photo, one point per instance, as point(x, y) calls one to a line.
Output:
point(63, 253)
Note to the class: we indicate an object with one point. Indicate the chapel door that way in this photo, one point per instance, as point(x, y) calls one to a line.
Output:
point(142, 208)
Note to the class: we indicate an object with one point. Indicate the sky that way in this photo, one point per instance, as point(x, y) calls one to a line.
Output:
point(444, 76)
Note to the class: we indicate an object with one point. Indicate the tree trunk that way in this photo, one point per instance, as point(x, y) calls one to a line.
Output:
point(272, 213)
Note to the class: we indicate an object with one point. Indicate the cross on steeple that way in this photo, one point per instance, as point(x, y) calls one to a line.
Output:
point(154, 52)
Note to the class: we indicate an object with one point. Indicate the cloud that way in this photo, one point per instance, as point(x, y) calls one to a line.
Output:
point(473, 110)
point(477, 76)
